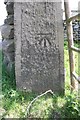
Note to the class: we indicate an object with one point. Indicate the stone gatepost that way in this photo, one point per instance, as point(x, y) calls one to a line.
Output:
point(39, 46)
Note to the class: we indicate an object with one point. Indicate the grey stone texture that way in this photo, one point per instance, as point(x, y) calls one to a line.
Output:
point(38, 30)
point(7, 32)
point(8, 36)
point(9, 20)
point(10, 8)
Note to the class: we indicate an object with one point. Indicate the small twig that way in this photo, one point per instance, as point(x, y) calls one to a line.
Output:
point(29, 107)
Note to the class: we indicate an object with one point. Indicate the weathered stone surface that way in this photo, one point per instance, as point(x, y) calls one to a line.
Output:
point(10, 8)
point(9, 20)
point(9, 57)
point(6, 1)
point(39, 46)
point(8, 63)
point(12, 56)
point(7, 32)
point(8, 46)
point(8, 37)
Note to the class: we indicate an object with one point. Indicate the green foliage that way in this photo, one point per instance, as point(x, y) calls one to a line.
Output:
point(72, 107)
point(15, 102)
point(77, 43)
point(8, 79)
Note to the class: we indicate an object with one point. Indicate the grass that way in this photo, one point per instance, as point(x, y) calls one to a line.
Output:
point(15, 102)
